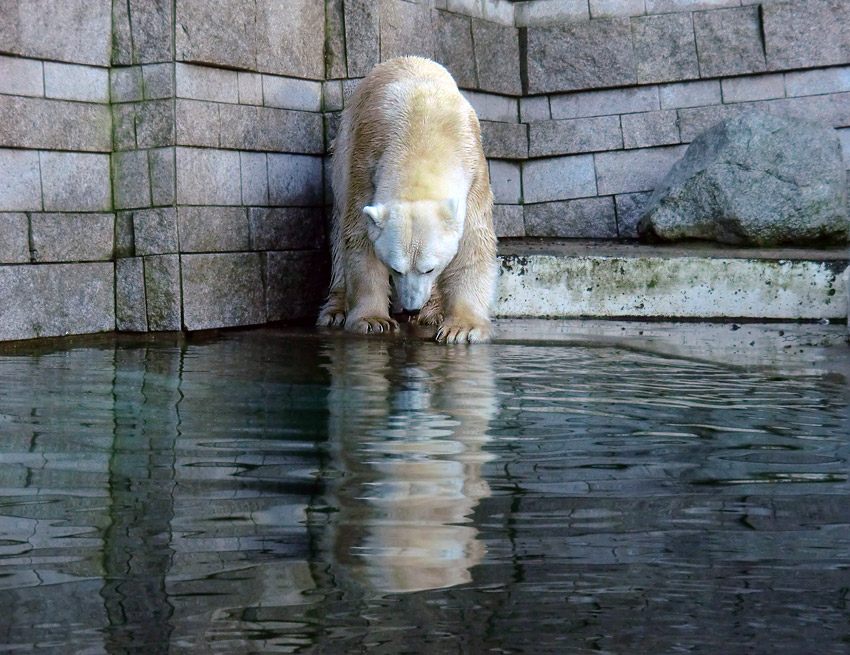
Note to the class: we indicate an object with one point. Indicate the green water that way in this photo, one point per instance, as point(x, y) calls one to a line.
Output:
point(272, 492)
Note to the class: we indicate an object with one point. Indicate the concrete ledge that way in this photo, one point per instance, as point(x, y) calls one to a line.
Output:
point(571, 279)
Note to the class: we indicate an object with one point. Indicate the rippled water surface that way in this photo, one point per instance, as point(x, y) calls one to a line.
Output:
point(265, 492)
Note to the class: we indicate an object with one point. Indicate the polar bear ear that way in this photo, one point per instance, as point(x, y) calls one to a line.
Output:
point(377, 213)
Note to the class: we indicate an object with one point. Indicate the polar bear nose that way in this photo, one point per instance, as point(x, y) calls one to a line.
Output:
point(410, 312)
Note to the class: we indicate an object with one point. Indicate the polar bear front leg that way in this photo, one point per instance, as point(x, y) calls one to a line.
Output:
point(467, 298)
point(368, 290)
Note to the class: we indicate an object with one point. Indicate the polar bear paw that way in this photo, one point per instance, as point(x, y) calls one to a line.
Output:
point(373, 324)
point(456, 331)
point(331, 318)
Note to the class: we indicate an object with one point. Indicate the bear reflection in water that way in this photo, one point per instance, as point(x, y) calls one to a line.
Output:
point(408, 422)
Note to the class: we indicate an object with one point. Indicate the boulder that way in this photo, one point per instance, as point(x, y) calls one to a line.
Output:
point(755, 180)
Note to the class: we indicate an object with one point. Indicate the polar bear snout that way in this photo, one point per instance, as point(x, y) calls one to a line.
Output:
point(413, 292)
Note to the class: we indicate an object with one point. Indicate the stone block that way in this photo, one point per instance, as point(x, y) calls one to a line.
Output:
point(667, 6)
point(832, 109)
point(250, 88)
point(548, 12)
point(162, 292)
point(815, 82)
point(348, 87)
point(534, 108)
point(206, 83)
point(155, 231)
point(500, 12)
point(729, 41)
point(332, 96)
point(125, 84)
point(222, 290)
point(405, 29)
point(158, 81)
point(490, 107)
point(208, 177)
point(504, 140)
point(615, 8)
point(628, 171)
point(567, 137)
point(124, 238)
point(198, 123)
point(152, 30)
point(505, 181)
point(21, 188)
point(576, 56)
point(296, 284)
point(466, 7)
point(75, 82)
point(217, 33)
point(630, 207)
point(72, 237)
point(453, 47)
point(52, 300)
point(690, 94)
point(154, 123)
point(130, 306)
point(806, 33)
point(586, 218)
point(286, 228)
point(694, 120)
point(255, 178)
point(361, 36)
point(497, 57)
point(604, 103)
point(844, 135)
point(558, 178)
point(212, 229)
point(131, 179)
point(14, 238)
point(291, 93)
point(289, 38)
point(75, 181)
point(656, 128)
point(161, 163)
point(54, 124)
point(77, 31)
point(332, 120)
point(335, 67)
point(665, 50)
point(508, 221)
point(21, 77)
point(755, 87)
point(295, 180)
point(122, 40)
point(246, 127)
point(123, 127)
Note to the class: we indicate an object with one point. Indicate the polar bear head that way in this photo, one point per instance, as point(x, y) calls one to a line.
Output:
point(416, 241)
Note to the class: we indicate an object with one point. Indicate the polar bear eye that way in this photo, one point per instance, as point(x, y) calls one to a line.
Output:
point(428, 272)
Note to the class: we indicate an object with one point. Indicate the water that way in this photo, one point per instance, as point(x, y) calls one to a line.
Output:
point(275, 493)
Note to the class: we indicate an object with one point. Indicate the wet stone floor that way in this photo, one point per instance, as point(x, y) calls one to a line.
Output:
point(276, 492)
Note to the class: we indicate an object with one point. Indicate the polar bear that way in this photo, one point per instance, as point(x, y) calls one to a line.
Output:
point(412, 204)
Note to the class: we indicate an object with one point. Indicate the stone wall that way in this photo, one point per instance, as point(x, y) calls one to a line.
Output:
point(162, 162)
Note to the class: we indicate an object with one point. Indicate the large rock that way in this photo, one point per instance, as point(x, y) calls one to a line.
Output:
point(754, 180)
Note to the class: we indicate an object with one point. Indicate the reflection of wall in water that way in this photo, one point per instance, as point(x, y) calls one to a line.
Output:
point(407, 425)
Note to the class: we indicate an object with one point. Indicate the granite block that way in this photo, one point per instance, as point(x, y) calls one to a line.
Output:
point(332, 96)
point(505, 181)
point(131, 179)
point(405, 29)
point(77, 31)
point(208, 177)
point(664, 48)
point(213, 229)
point(453, 47)
point(335, 66)
point(54, 124)
point(694, 120)
point(217, 33)
point(558, 178)
point(630, 208)
point(508, 221)
point(615, 8)
point(576, 56)
point(536, 13)
point(158, 81)
point(729, 41)
point(832, 109)
point(504, 140)
point(573, 136)
point(690, 94)
point(332, 120)
point(154, 123)
point(124, 237)
point(500, 12)
point(361, 36)
point(296, 284)
point(667, 6)
point(491, 107)
point(125, 84)
point(603, 103)
point(206, 83)
point(21, 77)
point(21, 188)
point(250, 88)
point(152, 30)
point(163, 296)
point(287, 36)
point(806, 33)
point(246, 127)
point(122, 40)
point(466, 7)
point(75, 181)
point(753, 87)
point(123, 127)
point(72, 237)
point(634, 170)
point(222, 290)
point(51, 300)
point(255, 178)
point(535, 108)
point(155, 231)
point(198, 123)
point(656, 128)
point(286, 228)
point(161, 164)
point(14, 238)
point(586, 218)
point(130, 306)
point(815, 82)
point(291, 93)
point(497, 57)
point(295, 180)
